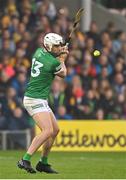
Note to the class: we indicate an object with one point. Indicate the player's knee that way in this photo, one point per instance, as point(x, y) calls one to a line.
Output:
point(49, 133)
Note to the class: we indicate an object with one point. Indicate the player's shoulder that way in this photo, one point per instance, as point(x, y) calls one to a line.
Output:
point(39, 52)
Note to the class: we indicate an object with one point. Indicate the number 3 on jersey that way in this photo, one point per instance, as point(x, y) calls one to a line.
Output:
point(35, 70)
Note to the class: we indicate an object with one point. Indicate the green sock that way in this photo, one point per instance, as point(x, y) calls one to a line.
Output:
point(44, 160)
point(27, 157)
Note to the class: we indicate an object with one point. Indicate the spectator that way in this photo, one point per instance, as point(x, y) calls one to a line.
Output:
point(120, 106)
point(10, 101)
point(62, 114)
point(18, 120)
point(94, 32)
point(7, 36)
point(56, 97)
point(19, 84)
point(107, 103)
point(6, 69)
point(119, 83)
point(3, 120)
point(100, 114)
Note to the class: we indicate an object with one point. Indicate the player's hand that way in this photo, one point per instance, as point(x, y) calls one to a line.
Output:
point(65, 50)
point(64, 53)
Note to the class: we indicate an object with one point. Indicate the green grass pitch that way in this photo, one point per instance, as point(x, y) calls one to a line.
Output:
point(71, 165)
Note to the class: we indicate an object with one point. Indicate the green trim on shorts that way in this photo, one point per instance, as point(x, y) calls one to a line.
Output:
point(37, 106)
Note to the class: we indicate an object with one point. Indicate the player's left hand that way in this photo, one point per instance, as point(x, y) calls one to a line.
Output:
point(64, 50)
point(63, 54)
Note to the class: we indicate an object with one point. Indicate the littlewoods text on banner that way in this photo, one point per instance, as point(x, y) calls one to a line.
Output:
point(90, 136)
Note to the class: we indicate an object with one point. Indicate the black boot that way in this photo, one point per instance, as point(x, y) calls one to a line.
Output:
point(26, 165)
point(45, 168)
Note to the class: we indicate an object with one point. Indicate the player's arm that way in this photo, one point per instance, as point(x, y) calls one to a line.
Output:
point(63, 71)
point(62, 57)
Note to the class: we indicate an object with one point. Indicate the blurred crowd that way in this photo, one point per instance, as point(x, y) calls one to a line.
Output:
point(95, 86)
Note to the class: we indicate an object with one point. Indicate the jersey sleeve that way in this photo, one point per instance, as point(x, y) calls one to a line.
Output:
point(57, 67)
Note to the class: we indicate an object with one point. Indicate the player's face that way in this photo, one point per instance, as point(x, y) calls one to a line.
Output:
point(56, 49)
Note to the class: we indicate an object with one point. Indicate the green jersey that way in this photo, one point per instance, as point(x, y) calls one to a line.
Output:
point(44, 67)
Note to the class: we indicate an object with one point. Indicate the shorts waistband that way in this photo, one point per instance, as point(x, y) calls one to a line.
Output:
point(29, 98)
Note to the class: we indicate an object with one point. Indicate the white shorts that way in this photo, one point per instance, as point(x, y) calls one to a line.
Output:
point(34, 106)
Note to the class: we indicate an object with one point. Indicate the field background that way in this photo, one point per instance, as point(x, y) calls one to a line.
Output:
point(71, 165)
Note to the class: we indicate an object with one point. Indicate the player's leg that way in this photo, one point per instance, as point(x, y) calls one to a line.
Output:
point(43, 163)
point(48, 144)
point(43, 120)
